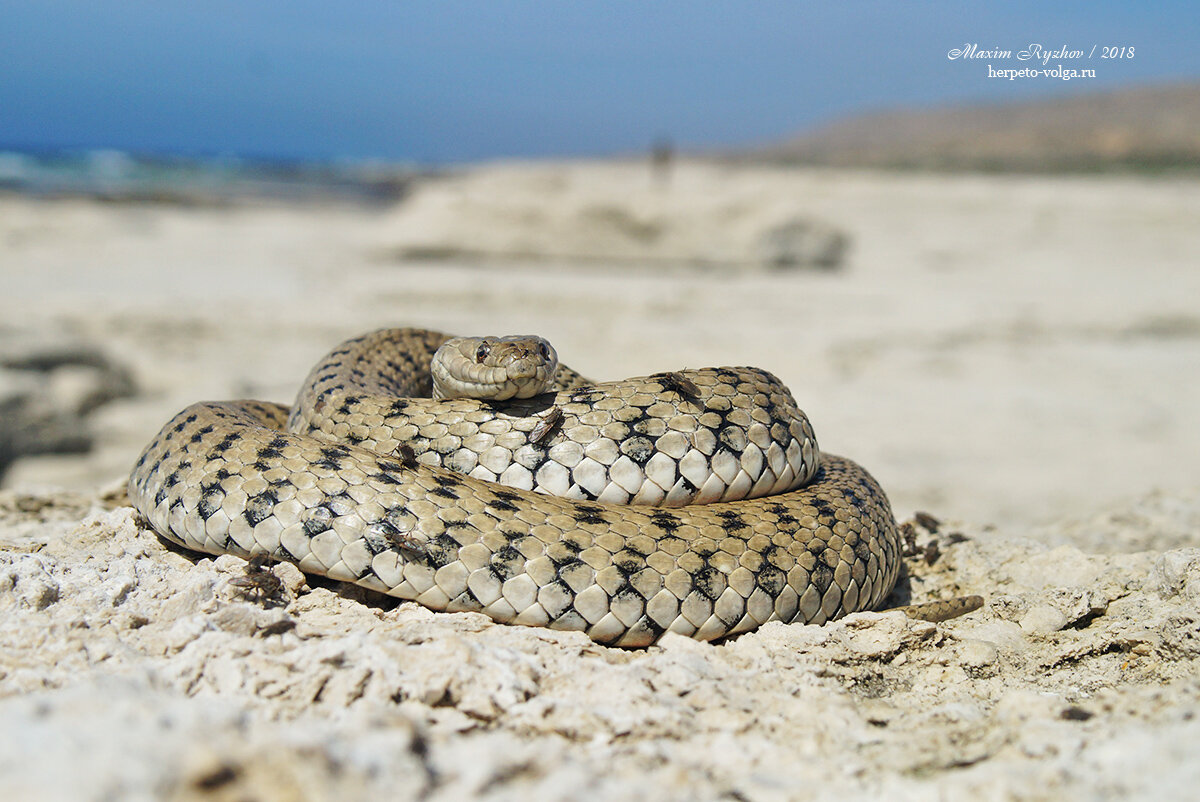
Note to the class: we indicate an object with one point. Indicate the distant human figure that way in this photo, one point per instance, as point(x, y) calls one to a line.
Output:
point(662, 155)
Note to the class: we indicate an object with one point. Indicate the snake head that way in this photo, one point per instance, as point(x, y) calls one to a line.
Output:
point(493, 368)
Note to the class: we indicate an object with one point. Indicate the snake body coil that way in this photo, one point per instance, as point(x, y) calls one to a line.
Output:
point(352, 487)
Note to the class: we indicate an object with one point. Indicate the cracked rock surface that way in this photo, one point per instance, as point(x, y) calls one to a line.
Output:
point(155, 674)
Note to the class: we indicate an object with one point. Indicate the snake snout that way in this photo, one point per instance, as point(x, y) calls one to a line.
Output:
point(522, 366)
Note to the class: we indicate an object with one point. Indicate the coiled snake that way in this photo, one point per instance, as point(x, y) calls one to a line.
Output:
point(363, 480)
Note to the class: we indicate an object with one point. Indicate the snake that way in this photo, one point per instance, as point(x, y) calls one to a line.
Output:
point(695, 502)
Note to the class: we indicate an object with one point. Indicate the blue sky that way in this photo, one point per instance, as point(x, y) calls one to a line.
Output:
point(453, 81)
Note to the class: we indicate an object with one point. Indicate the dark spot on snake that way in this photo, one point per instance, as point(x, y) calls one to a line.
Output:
point(628, 563)
point(341, 503)
point(862, 549)
point(160, 496)
point(259, 507)
point(211, 496)
point(854, 498)
point(586, 395)
point(589, 515)
point(348, 404)
point(731, 521)
point(507, 562)
point(564, 554)
point(227, 442)
point(638, 449)
point(444, 492)
point(398, 407)
point(558, 599)
point(386, 478)
point(489, 513)
point(575, 540)
point(268, 451)
point(824, 510)
point(443, 446)
point(626, 592)
point(221, 474)
point(650, 629)
point(284, 553)
point(570, 621)
point(331, 457)
point(440, 551)
point(504, 506)
point(489, 570)
point(668, 522)
point(634, 548)
point(317, 520)
point(448, 480)
point(733, 438)
point(172, 479)
point(512, 531)
point(783, 513)
point(771, 579)
point(777, 557)
point(464, 602)
point(727, 376)
point(822, 577)
point(504, 500)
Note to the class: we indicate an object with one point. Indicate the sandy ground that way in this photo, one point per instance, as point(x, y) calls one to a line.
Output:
point(1017, 356)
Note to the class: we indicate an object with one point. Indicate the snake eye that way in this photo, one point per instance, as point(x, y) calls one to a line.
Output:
point(482, 351)
point(545, 351)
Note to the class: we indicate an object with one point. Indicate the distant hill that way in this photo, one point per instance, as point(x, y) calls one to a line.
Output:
point(1148, 128)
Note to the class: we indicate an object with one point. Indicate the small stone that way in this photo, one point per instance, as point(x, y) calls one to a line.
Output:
point(1177, 572)
point(978, 653)
point(1043, 619)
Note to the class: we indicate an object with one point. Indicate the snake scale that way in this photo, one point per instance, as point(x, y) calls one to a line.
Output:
point(367, 479)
